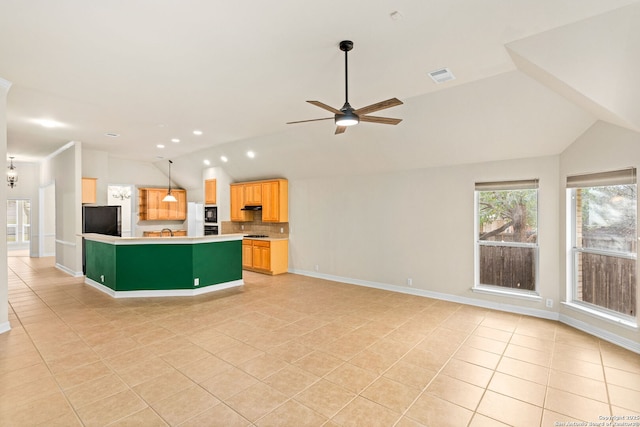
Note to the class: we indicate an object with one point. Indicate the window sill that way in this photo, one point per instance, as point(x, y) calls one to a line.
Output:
point(601, 315)
point(529, 296)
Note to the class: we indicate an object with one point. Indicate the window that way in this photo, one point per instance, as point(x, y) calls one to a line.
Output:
point(507, 236)
point(18, 222)
point(604, 242)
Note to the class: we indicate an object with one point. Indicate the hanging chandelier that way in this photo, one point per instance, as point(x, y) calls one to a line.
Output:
point(121, 193)
point(12, 175)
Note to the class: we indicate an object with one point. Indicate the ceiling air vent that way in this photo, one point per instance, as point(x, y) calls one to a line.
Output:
point(442, 75)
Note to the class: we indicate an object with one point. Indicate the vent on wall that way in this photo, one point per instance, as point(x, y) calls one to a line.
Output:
point(442, 75)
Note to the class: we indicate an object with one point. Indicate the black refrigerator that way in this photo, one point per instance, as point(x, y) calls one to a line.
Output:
point(100, 220)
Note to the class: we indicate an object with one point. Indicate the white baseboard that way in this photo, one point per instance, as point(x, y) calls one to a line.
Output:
point(69, 271)
point(163, 293)
point(601, 333)
point(5, 327)
point(585, 327)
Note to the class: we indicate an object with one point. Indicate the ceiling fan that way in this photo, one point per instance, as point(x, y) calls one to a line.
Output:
point(347, 115)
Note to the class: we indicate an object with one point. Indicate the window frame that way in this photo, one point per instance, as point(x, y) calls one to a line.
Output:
point(506, 185)
point(573, 251)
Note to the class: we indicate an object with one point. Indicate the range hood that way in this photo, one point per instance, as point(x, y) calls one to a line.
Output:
point(252, 208)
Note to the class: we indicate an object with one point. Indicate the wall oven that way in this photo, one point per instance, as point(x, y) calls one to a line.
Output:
point(211, 214)
point(210, 230)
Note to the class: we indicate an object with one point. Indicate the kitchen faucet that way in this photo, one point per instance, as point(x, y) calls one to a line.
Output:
point(166, 229)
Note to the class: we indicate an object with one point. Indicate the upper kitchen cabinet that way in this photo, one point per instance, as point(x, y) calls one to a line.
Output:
point(152, 208)
point(275, 201)
point(272, 195)
point(210, 192)
point(237, 203)
point(253, 193)
point(89, 191)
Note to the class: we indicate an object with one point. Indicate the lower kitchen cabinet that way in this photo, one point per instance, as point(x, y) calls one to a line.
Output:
point(176, 233)
point(265, 256)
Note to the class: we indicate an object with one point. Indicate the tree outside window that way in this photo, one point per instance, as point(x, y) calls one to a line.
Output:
point(507, 239)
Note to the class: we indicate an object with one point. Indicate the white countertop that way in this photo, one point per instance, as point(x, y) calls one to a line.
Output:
point(176, 240)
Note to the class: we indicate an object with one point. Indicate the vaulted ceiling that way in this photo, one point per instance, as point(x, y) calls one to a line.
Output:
point(531, 76)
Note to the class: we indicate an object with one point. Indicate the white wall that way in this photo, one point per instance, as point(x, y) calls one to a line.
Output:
point(603, 147)
point(223, 195)
point(4, 280)
point(64, 168)
point(418, 224)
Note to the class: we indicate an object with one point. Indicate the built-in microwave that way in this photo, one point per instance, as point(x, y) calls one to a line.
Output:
point(211, 214)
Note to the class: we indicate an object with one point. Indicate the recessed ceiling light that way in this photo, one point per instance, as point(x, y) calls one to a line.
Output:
point(48, 123)
point(224, 159)
point(206, 162)
point(112, 135)
point(197, 132)
point(160, 145)
point(251, 154)
point(176, 140)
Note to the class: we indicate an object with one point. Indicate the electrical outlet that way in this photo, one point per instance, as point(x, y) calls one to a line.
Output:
point(196, 281)
point(281, 230)
point(242, 227)
point(102, 278)
point(317, 267)
point(549, 302)
point(409, 282)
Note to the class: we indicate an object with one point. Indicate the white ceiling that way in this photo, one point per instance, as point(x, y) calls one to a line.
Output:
point(532, 75)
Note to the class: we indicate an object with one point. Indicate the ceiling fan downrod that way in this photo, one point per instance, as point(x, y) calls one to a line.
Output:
point(346, 46)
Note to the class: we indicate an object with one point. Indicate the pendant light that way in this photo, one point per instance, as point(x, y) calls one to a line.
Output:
point(169, 197)
point(12, 175)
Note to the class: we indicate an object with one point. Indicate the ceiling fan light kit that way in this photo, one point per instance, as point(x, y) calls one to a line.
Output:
point(347, 115)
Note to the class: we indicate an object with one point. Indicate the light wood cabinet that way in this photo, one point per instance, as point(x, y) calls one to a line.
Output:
point(176, 233)
point(253, 193)
point(247, 253)
point(275, 201)
point(264, 256)
point(210, 192)
point(89, 192)
point(237, 203)
point(152, 208)
point(272, 195)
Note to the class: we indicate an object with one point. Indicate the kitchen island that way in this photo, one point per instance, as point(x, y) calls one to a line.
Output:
point(162, 266)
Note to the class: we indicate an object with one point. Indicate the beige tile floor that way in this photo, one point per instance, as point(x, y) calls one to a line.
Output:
point(294, 351)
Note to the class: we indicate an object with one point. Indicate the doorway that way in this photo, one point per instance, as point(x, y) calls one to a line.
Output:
point(18, 227)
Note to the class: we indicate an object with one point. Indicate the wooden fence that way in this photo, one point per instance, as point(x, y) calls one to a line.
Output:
point(605, 281)
point(608, 282)
point(508, 267)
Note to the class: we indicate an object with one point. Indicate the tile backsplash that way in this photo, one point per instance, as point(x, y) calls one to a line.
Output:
point(256, 227)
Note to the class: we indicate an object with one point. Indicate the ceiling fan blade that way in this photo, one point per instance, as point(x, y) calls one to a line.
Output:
point(325, 107)
point(382, 120)
point(378, 106)
point(312, 120)
point(340, 129)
